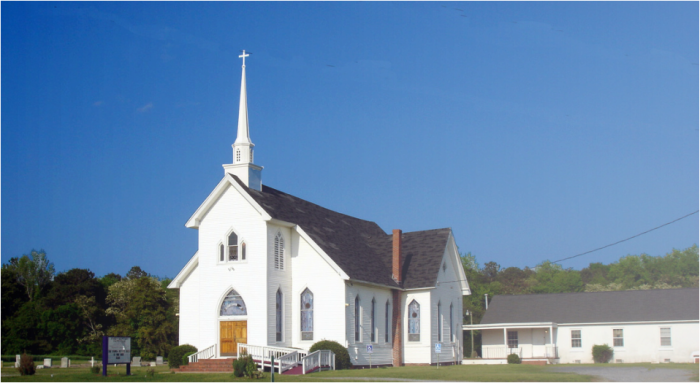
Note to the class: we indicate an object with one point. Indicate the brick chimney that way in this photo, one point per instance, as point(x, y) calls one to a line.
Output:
point(396, 257)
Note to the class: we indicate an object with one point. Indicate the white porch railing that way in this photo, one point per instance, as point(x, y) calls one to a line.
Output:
point(207, 353)
point(500, 352)
point(544, 351)
point(287, 362)
point(318, 360)
point(285, 358)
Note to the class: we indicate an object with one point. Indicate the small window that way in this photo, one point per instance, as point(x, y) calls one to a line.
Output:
point(357, 318)
point(575, 338)
point(439, 321)
point(279, 252)
point(512, 339)
point(618, 340)
point(414, 322)
point(233, 247)
point(307, 315)
point(278, 316)
point(243, 251)
point(665, 336)
point(222, 256)
point(386, 322)
point(373, 332)
point(444, 266)
point(238, 155)
point(251, 155)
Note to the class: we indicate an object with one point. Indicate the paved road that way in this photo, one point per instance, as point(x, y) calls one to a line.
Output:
point(631, 374)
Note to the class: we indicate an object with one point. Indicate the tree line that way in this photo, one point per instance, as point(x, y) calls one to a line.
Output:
point(68, 313)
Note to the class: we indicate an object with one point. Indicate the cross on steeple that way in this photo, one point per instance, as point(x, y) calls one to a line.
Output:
point(243, 56)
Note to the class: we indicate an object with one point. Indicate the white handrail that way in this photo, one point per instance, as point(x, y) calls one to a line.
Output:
point(207, 353)
point(286, 362)
point(318, 359)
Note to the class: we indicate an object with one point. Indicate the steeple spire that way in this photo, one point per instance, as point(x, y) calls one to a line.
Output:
point(242, 166)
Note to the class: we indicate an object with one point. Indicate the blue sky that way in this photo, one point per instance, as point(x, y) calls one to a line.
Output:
point(534, 130)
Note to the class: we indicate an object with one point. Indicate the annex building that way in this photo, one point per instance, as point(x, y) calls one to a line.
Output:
point(273, 270)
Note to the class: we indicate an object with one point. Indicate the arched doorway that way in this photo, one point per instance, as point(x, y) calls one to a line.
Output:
point(233, 324)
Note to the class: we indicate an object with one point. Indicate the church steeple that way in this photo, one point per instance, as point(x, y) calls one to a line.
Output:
point(242, 165)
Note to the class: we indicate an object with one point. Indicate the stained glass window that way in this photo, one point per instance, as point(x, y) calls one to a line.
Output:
point(373, 335)
point(386, 322)
point(357, 318)
point(307, 315)
point(278, 314)
point(414, 322)
point(243, 251)
point(233, 247)
point(233, 305)
point(221, 252)
point(452, 327)
point(439, 320)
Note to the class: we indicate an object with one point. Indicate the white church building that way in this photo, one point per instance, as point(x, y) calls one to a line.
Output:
point(275, 270)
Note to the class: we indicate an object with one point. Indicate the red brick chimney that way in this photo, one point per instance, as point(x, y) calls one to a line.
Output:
point(396, 257)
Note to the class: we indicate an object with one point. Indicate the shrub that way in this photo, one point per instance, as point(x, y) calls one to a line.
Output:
point(95, 369)
point(342, 358)
point(602, 353)
point(244, 365)
point(151, 372)
point(514, 359)
point(186, 359)
point(26, 365)
point(176, 353)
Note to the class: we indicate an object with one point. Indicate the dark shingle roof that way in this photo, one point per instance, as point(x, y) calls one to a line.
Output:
point(361, 248)
point(607, 306)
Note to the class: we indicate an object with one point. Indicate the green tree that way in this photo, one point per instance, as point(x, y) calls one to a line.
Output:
point(552, 278)
point(34, 271)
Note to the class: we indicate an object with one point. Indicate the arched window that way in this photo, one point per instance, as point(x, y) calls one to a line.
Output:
point(414, 321)
point(242, 251)
point(278, 316)
point(222, 256)
point(279, 252)
point(373, 331)
point(232, 247)
point(452, 325)
point(233, 305)
point(357, 318)
point(439, 321)
point(386, 322)
point(307, 315)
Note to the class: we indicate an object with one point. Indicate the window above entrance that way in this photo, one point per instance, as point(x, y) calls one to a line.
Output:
point(233, 305)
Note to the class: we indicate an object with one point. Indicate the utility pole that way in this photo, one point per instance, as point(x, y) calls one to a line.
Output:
point(471, 331)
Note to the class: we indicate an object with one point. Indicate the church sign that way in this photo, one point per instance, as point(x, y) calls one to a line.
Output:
point(116, 350)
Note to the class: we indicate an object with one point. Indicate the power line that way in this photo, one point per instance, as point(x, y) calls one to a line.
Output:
point(627, 239)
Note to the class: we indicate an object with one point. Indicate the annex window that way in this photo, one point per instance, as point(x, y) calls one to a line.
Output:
point(233, 305)
point(279, 252)
point(512, 339)
point(307, 315)
point(232, 247)
point(618, 340)
point(373, 333)
point(439, 321)
point(278, 316)
point(222, 253)
point(386, 322)
point(357, 318)
point(414, 321)
point(453, 334)
point(665, 336)
point(575, 338)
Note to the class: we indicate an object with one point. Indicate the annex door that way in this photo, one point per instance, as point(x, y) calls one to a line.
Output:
point(232, 333)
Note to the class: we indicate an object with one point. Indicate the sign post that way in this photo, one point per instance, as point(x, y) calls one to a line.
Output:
point(438, 350)
point(116, 350)
point(370, 351)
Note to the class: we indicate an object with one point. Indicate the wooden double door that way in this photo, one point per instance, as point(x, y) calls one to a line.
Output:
point(232, 333)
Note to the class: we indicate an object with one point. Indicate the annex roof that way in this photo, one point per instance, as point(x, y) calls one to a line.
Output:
point(361, 248)
point(606, 306)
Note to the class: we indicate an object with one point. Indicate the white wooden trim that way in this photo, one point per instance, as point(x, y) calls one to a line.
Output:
point(185, 272)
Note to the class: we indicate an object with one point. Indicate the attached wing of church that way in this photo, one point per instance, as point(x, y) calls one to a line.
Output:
point(277, 271)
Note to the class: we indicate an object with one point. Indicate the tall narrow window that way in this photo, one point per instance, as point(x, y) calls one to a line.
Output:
point(357, 318)
point(439, 320)
point(512, 339)
point(414, 322)
point(238, 155)
point(221, 253)
point(575, 338)
point(373, 335)
point(279, 252)
point(251, 155)
point(386, 322)
point(243, 251)
point(453, 335)
point(665, 336)
point(307, 315)
point(278, 316)
point(232, 247)
point(618, 340)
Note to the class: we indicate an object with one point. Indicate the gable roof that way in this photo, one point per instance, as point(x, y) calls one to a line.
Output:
point(360, 248)
point(605, 306)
